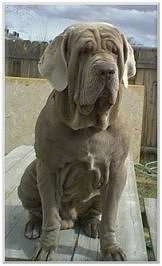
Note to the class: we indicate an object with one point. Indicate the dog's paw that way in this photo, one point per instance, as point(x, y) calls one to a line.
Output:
point(91, 227)
point(46, 247)
point(32, 229)
point(44, 253)
point(114, 253)
point(67, 224)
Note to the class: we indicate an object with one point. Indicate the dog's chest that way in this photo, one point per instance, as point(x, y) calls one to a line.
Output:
point(83, 159)
point(60, 145)
point(82, 146)
point(83, 178)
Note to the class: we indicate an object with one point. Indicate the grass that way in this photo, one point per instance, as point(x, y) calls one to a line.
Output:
point(147, 187)
point(146, 177)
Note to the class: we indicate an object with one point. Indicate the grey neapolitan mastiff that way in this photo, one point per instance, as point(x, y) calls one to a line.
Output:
point(81, 147)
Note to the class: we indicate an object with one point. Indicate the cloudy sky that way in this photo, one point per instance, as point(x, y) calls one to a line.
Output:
point(44, 22)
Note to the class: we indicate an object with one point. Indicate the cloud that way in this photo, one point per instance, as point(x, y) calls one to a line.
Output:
point(138, 21)
point(144, 8)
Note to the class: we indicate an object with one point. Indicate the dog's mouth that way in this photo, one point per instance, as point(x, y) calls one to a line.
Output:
point(102, 105)
point(86, 109)
point(103, 108)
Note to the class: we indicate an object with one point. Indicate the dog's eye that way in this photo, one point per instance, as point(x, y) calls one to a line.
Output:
point(102, 73)
point(114, 50)
point(111, 47)
point(87, 48)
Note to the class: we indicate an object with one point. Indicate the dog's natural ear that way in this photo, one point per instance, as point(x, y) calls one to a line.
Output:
point(52, 64)
point(130, 64)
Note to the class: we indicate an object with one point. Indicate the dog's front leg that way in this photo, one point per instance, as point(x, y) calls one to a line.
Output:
point(50, 199)
point(110, 249)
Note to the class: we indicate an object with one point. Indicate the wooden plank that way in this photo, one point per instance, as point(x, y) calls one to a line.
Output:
point(68, 241)
point(15, 164)
point(151, 214)
point(131, 111)
point(151, 79)
point(139, 78)
point(149, 136)
point(146, 66)
point(20, 248)
point(145, 124)
point(130, 228)
point(87, 248)
point(16, 155)
point(16, 170)
point(149, 149)
point(17, 246)
point(11, 217)
point(155, 121)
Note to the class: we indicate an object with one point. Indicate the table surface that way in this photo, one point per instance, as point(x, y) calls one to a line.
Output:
point(73, 245)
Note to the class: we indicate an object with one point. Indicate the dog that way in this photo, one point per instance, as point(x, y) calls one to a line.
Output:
point(79, 172)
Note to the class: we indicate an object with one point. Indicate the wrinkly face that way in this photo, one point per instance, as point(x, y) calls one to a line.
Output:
point(93, 68)
point(86, 65)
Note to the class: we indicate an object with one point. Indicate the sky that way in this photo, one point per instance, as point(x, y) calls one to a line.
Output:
point(44, 22)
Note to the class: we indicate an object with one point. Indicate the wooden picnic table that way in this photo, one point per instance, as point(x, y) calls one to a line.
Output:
point(73, 245)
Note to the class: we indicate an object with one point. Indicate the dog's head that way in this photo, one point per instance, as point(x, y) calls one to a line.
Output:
point(89, 61)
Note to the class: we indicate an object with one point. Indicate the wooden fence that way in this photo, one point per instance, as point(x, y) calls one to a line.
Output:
point(146, 59)
point(22, 58)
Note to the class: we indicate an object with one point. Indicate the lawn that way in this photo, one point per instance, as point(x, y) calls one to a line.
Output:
point(147, 188)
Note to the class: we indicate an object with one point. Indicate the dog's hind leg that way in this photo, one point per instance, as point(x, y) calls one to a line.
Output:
point(90, 220)
point(30, 198)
